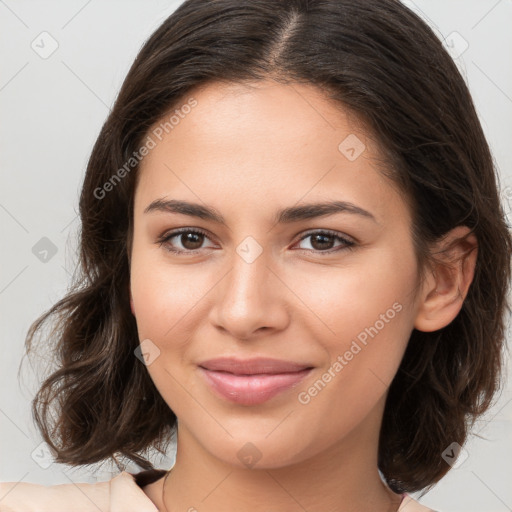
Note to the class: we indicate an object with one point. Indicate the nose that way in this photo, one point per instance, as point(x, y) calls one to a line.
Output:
point(250, 300)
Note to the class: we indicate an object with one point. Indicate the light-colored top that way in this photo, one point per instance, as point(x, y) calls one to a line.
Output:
point(120, 494)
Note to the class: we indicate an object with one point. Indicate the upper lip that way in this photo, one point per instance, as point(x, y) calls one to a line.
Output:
point(252, 366)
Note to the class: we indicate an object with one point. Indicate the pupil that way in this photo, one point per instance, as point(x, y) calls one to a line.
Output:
point(187, 240)
point(326, 238)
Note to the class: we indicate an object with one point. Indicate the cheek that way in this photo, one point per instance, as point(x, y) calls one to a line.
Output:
point(351, 298)
point(164, 296)
point(366, 318)
point(166, 299)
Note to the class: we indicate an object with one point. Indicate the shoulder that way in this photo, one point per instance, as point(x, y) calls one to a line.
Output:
point(29, 497)
point(121, 493)
point(408, 504)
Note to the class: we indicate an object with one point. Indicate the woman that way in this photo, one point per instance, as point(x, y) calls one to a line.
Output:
point(294, 258)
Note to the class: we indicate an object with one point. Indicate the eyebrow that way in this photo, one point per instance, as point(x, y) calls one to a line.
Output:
point(284, 216)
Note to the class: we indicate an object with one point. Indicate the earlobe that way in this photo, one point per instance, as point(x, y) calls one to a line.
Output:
point(447, 284)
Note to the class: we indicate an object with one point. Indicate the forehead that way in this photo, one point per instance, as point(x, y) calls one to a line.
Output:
point(262, 142)
point(302, 112)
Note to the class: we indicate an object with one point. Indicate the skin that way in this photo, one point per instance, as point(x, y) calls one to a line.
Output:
point(247, 152)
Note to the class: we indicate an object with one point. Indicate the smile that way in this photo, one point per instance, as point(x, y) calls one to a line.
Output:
point(251, 389)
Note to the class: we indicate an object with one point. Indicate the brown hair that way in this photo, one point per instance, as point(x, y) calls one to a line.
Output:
point(375, 58)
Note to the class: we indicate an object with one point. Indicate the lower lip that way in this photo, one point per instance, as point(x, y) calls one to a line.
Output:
point(251, 389)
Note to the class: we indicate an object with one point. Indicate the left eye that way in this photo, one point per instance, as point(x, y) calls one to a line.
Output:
point(323, 238)
point(191, 241)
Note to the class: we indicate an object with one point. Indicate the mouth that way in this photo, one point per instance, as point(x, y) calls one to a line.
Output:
point(252, 381)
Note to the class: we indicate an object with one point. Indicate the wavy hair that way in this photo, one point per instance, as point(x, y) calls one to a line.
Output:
point(374, 58)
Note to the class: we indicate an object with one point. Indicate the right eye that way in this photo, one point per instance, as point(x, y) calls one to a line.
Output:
point(190, 240)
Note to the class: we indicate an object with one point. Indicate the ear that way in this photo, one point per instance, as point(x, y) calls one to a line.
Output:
point(447, 284)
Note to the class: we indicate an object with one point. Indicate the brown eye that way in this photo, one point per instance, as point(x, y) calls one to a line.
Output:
point(191, 241)
point(323, 242)
point(183, 241)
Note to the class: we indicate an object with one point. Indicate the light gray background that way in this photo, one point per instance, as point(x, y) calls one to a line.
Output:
point(51, 112)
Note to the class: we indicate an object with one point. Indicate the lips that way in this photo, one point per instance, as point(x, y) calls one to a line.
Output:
point(251, 381)
point(252, 366)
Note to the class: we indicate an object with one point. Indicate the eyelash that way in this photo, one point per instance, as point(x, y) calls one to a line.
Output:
point(348, 244)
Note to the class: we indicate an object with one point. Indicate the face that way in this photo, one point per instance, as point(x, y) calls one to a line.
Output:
point(250, 272)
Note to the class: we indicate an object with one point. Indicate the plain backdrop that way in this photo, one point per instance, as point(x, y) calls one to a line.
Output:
point(62, 64)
